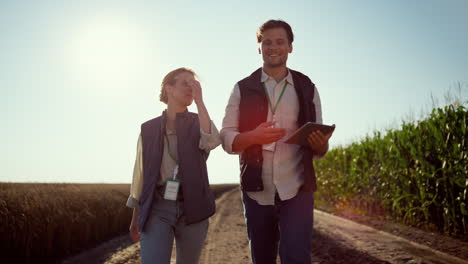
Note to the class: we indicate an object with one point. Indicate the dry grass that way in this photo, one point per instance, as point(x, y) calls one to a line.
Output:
point(41, 223)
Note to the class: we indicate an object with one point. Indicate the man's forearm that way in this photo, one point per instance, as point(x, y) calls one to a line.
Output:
point(241, 142)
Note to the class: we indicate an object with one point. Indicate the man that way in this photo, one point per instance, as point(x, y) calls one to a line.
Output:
point(277, 179)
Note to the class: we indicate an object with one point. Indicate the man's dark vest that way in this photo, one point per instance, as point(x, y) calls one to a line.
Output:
point(198, 198)
point(253, 110)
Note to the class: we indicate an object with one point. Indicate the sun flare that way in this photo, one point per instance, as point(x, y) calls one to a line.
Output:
point(108, 50)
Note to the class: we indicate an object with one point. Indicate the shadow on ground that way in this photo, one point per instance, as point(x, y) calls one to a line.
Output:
point(101, 253)
point(326, 249)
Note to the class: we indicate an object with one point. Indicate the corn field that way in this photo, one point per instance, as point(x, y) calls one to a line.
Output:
point(418, 174)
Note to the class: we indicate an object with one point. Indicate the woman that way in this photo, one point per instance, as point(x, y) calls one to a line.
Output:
point(170, 193)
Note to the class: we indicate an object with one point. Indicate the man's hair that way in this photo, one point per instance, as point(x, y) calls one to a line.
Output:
point(275, 24)
point(170, 79)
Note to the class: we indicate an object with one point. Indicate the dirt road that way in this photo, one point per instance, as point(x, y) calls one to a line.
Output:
point(336, 240)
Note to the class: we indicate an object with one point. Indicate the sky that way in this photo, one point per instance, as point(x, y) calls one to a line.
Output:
point(78, 78)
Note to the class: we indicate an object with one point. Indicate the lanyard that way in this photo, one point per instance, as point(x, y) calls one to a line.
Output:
point(169, 149)
point(176, 168)
point(273, 109)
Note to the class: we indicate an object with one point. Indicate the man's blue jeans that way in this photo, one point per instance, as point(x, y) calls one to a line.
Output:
point(288, 223)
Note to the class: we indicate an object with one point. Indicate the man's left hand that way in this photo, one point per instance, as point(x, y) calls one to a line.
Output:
point(318, 142)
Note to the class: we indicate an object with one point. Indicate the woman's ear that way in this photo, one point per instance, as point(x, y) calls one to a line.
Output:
point(168, 88)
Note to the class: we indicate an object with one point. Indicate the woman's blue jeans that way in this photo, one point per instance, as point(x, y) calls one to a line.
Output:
point(165, 224)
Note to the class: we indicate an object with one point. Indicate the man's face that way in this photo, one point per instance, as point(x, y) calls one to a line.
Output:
point(275, 47)
point(181, 92)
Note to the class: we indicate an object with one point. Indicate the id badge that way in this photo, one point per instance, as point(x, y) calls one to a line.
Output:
point(171, 189)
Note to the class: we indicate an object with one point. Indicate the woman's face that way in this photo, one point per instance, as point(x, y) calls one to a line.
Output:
point(181, 92)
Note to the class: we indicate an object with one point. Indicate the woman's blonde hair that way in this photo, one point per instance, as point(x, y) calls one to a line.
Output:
point(170, 79)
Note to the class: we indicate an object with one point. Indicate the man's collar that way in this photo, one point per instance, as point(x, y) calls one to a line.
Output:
point(265, 77)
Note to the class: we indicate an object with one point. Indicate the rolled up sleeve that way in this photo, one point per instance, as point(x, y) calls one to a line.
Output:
point(137, 181)
point(209, 141)
point(318, 118)
point(231, 121)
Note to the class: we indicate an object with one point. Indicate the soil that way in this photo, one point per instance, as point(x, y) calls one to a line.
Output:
point(335, 240)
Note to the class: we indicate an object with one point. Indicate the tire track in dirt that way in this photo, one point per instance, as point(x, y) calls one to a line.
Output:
point(377, 244)
point(227, 240)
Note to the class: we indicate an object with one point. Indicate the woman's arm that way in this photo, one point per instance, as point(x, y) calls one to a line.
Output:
point(204, 117)
point(135, 191)
point(134, 233)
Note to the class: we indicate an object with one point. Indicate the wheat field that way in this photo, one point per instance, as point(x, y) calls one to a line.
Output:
point(44, 222)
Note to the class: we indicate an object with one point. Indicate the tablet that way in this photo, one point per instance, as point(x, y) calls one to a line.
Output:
point(300, 135)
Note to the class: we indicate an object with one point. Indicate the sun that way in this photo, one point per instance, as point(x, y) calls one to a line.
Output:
point(109, 50)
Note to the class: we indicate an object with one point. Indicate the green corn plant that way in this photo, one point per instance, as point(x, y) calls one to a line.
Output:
point(417, 174)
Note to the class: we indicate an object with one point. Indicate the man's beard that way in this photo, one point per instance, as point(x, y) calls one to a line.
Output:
point(279, 64)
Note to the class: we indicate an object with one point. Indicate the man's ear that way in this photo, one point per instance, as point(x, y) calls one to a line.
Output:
point(259, 51)
point(290, 48)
